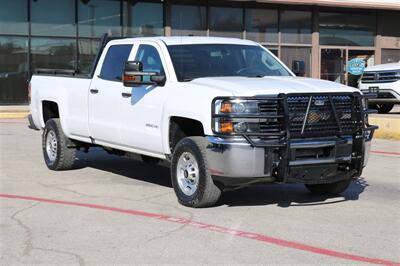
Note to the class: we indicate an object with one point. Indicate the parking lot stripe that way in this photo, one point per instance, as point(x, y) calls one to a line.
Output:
point(215, 228)
point(386, 152)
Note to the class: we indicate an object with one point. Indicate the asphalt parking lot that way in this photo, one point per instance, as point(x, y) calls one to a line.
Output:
point(113, 210)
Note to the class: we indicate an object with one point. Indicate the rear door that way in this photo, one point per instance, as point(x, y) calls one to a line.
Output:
point(105, 95)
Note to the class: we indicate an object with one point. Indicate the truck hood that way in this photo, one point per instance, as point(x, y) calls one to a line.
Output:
point(243, 86)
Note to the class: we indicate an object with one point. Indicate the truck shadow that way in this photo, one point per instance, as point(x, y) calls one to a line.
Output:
point(289, 195)
point(130, 168)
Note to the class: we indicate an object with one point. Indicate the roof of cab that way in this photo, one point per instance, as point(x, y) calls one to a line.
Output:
point(187, 40)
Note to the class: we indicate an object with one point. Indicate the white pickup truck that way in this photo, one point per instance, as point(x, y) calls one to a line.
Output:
point(384, 81)
point(225, 113)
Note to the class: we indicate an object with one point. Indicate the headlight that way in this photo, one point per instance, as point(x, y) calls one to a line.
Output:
point(236, 107)
point(241, 116)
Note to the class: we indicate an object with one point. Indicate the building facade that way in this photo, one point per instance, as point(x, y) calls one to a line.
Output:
point(326, 35)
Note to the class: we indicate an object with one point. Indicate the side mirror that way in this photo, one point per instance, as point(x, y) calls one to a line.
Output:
point(133, 75)
point(299, 68)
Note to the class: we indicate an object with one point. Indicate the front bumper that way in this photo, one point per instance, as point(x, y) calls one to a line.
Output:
point(235, 162)
point(385, 92)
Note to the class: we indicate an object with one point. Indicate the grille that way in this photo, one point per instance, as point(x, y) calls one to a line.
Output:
point(321, 121)
point(380, 77)
point(272, 127)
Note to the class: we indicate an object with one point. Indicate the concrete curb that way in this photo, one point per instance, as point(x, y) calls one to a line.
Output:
point(13, 115)
point(389, 127)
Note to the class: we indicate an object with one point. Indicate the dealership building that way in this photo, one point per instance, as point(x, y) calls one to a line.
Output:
point(325, 34)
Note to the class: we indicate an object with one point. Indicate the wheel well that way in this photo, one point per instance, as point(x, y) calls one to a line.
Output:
point(180, 127)
point(50, 110)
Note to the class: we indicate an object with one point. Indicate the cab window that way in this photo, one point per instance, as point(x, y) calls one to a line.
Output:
point(150, 59)
point(114, 62)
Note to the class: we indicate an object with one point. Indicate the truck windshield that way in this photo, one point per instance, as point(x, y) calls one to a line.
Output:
point(193, 61)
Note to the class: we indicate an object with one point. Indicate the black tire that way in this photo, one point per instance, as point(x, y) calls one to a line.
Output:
point(383, 108)
point(64, 157)
point(207, 193)
point(331, 188)
point(175, 135)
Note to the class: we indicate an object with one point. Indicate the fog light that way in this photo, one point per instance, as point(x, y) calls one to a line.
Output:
point(226, 127)
point(240, 127)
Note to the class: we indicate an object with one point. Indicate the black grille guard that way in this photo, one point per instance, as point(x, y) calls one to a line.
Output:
point(362, 131)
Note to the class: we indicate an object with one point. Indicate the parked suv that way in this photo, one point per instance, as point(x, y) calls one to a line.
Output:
point(384, 81)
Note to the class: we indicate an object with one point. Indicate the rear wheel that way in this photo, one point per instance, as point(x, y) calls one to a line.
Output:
point(329, 189)
point(190, 175)
point(57, 155)
point(383, 108)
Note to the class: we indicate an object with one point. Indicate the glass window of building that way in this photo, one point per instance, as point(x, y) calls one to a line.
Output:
point(226, 21)
point(273, 49)
point(390, 56)
point(262, 25)
point(188, 20)
point(367, 56)
point(13, 70)
point(291, 54)
point(295, 26)
point(14, 17)
point(53, 18)
point(87, 50)
point(143, 19)
point(389, 23)
point(96, 17)
point(350, 29)
point(53, 53)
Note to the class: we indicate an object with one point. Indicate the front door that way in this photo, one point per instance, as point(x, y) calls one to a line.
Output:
point(105, 96)
point(141, 112)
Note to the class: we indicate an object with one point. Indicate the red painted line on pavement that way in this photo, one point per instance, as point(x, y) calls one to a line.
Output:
point(387, 152)
point(216, 228)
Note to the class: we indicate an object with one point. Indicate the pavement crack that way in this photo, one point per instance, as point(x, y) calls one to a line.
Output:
point(80, 259)
point(29, 237)
point(69, 190)
point(28, 231)
point(165, 234)
point(146, 199)
point(84, 194)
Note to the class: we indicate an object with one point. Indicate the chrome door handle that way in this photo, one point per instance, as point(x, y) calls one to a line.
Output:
point(94, 91)
point(126, 94)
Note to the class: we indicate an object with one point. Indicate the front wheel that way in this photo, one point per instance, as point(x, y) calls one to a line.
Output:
point(329, 189)
point(190, 175)
point(383, 108)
